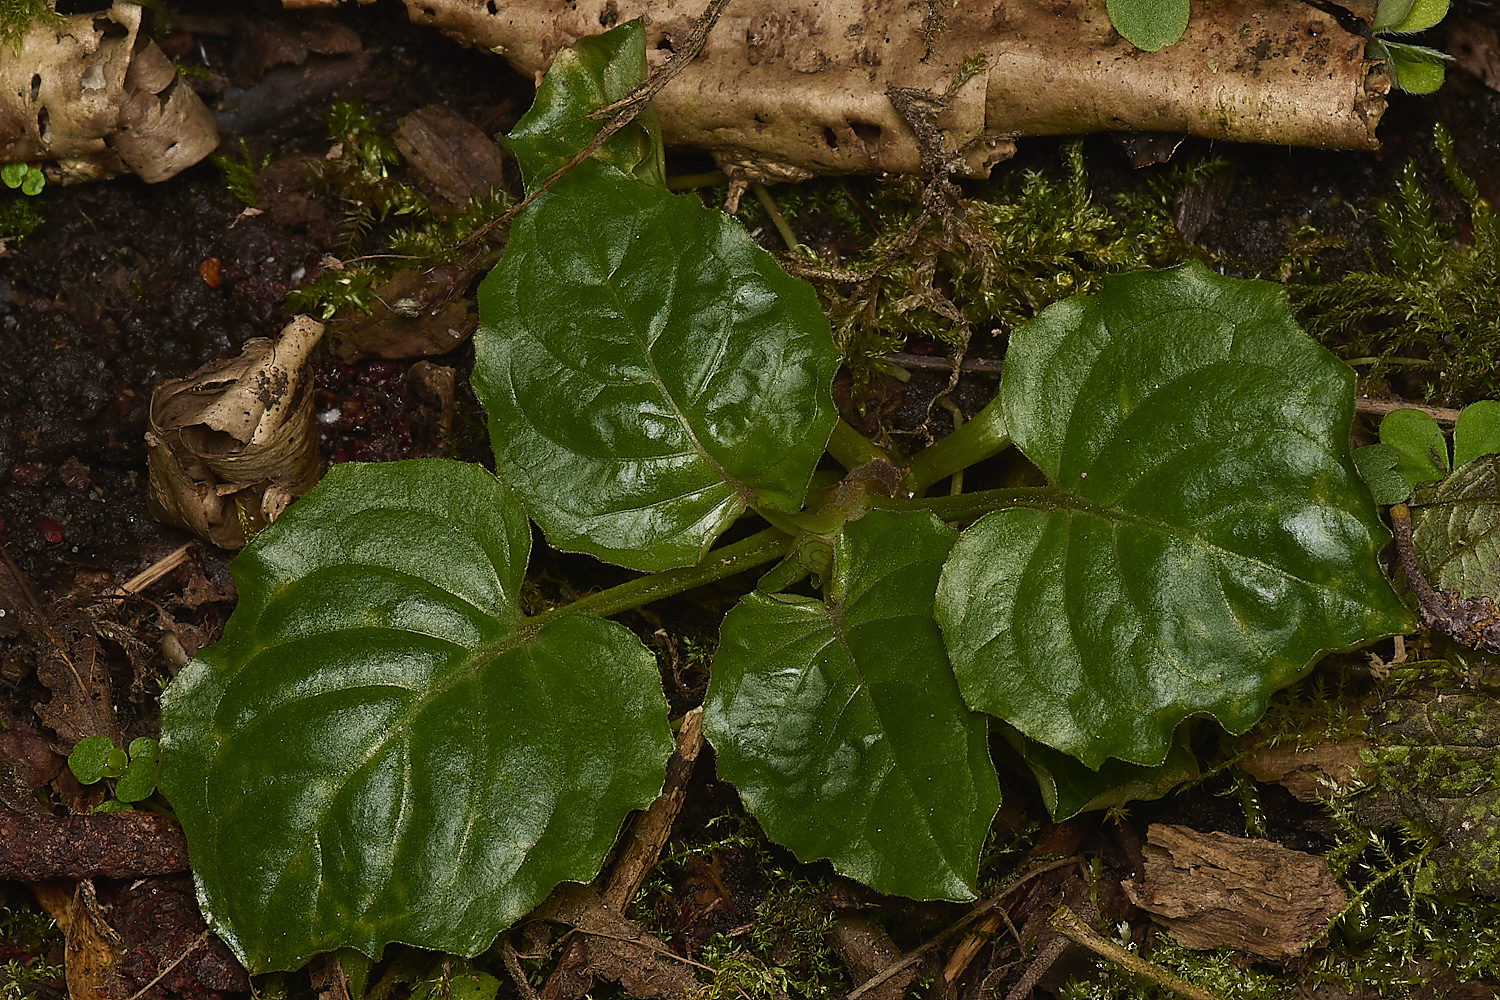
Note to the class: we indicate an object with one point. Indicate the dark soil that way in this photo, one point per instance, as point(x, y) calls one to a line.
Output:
point(113, 295)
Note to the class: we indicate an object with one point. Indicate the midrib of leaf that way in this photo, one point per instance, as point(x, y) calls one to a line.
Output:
point(834, 613)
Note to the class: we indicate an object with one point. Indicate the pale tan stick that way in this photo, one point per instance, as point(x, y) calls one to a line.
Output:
point(1066, 923)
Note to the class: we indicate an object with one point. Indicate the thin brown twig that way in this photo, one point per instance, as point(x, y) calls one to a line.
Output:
point(1067, 923)
point(1380, 407)
point(989, 903)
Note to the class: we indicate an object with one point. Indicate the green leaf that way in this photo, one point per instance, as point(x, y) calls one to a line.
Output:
point(842, 727)
point(648, 370)
point(596, 71)
point(139, 778)
point(1149, 25)
point(1415, 69)
point(1069, 788)
point(1456, 530)
point(1206, 538)
point(1406, 16)
point(381, 748)
point(1421, 450)
point(1477, 432)
point(90, 759)
point(33, 182)
point(1377, 467)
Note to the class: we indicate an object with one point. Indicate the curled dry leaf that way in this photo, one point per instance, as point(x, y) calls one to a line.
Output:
point(233, 444)
point(100, 99)
point(783, 94)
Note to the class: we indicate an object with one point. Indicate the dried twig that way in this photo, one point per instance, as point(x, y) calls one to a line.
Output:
point(1066, 923)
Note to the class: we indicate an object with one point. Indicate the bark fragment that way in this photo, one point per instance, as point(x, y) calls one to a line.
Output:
point(98, 98)
point(1212, 890)
point(782, 93)
point(126, 844)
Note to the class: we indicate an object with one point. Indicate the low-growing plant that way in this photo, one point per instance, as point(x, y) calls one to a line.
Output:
point(18, 216)
point(383, 747)
point(132, 772)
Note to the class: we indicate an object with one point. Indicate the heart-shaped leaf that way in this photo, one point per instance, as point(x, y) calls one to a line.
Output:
point(381, 748)
point(842, 727)
point(1206, 538)
point(648, 371)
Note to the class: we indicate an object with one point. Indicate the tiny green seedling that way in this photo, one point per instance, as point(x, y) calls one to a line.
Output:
point(1412, 449)
point(19, 175)
point(1415, 69)
point(133, 770)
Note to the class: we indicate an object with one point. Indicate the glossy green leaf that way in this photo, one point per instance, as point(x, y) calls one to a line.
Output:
point(381, 748)
point(1456, 530)
point(1149, 25)
point(1206, 537)
point(1069, 788)
point(648, 371)
point(842, 727)
point(1477, 432)
point(595, 71)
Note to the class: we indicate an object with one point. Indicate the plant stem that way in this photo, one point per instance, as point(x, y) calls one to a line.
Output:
point(762, 547)
point(983, 437)
point(851, 449)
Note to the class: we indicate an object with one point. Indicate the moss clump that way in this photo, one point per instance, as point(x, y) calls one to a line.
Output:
point(986, 262)
point(17, 17)
point(1426, 321)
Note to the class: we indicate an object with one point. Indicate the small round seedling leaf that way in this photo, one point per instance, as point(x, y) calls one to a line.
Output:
point(840, 723)
point(1416, 69)
point(1477, 432)
point(1206, 538)
point(91, 759)
point(1149, 25)
point(649, 371)
point(1421, 449)
point(139, 779)
point(1377, 467)
point(381, 748)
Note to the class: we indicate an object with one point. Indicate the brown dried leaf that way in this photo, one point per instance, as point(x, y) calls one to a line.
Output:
point(236, 437)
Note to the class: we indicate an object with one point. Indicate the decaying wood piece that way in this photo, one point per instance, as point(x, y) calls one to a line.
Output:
point(97, 98)
point(232, 445)
point(783, 91)
point(127, 844)
point(1212, 890)
point(1309, 773)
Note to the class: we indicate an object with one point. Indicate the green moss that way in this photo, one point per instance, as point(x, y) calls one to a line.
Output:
point(1426, 319)
point(17, 17)
point(987, 262)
